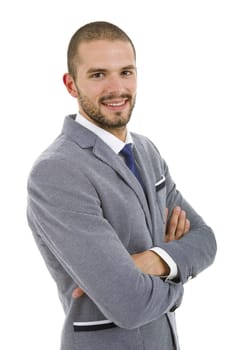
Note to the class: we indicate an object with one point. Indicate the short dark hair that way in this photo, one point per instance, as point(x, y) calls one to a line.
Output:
point(90, 32)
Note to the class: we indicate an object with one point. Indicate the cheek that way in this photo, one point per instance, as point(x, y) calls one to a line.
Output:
point(132, 87)
point(93, 92)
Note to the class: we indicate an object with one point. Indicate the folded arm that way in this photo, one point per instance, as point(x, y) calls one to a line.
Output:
point(69, 220)
point(196, 250)
point(149, 261)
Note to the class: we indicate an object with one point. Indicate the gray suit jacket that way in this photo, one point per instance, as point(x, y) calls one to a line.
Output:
point(88, 213)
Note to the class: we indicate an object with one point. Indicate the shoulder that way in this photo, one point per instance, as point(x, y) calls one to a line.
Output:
point(56, 161)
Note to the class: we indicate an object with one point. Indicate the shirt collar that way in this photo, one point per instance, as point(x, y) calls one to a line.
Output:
point(112, 141)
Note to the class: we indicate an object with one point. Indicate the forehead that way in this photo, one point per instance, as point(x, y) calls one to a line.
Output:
point(105, 53)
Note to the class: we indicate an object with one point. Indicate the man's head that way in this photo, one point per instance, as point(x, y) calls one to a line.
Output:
point(102, 74)
point(91, 32)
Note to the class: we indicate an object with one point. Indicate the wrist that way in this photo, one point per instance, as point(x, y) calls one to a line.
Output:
point(159, 267)
point(154, 264)
point(150, 263)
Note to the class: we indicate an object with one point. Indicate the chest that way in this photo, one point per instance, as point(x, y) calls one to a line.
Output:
point(136, 216)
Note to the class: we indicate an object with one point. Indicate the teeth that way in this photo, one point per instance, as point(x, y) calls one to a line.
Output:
point(116, 104)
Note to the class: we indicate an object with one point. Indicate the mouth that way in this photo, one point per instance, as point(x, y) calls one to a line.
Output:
point(116, 104)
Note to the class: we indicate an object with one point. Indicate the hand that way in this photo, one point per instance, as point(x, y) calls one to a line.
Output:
point(177, 226)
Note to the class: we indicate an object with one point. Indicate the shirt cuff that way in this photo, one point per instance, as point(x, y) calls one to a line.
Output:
point(171, 263)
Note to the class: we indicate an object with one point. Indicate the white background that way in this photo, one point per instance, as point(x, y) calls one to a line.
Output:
point(184, 105)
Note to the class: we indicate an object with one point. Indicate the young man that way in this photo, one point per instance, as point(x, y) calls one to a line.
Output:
point(118, 238)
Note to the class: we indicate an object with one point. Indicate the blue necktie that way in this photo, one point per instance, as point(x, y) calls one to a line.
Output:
point(127, 153)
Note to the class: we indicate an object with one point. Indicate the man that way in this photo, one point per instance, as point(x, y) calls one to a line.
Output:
point(118, 238)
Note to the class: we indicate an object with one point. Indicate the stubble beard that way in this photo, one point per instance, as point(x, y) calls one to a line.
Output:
point(101, 119)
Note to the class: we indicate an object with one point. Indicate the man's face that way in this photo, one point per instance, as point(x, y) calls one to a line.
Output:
point(106, 82)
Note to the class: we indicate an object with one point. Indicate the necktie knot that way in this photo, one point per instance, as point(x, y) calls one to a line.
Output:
point(127, 153)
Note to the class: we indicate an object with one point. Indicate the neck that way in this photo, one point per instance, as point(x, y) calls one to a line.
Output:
point(120, 132)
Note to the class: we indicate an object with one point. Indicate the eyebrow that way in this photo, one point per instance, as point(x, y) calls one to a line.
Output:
point(103, 70)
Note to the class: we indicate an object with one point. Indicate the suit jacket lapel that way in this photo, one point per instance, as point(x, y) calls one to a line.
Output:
point(148, 179)
point(105, 154)
point(87, 139)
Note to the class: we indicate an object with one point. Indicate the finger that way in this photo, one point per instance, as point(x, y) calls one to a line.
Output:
point(77, 293)
point(166, 224)
point(187, 226)
point(172, 224)
point(180, 229)
point(166, 215)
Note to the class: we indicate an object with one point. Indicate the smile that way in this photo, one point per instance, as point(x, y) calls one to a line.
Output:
point(115, 104)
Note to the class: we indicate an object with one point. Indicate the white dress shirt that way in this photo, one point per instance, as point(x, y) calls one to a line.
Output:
point(116, 145)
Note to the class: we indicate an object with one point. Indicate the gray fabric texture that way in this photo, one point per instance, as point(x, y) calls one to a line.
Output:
point(88, 213)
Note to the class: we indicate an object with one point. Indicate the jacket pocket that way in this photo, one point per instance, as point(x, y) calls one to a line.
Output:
point(115, 338)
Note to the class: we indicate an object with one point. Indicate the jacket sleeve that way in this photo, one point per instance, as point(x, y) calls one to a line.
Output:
point(65, 211)
point(197, 249)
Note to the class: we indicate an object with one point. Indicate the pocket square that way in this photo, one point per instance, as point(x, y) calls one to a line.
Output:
point(160, 184)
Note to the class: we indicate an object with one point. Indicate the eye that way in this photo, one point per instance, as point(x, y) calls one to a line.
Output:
point(127, 73)
point(97, 75)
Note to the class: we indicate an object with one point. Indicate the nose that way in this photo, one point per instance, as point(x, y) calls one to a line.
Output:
point(114, 84)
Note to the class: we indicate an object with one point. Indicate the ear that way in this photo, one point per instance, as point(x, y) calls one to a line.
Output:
point(70, 85)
